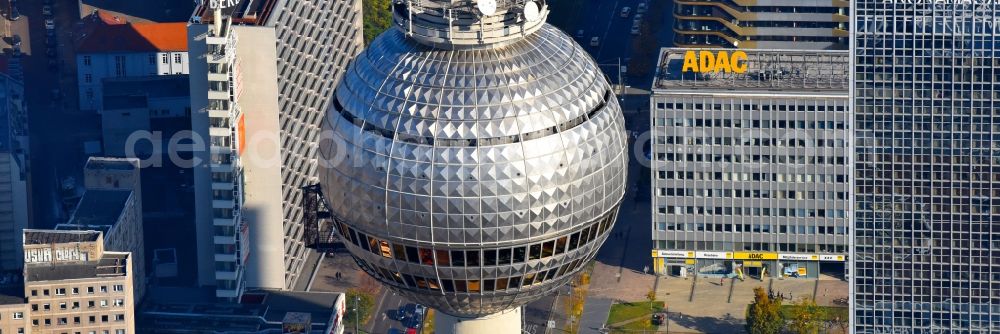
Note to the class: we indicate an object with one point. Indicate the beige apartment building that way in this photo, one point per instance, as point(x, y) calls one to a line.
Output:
point(73, 286)
point(13, 315)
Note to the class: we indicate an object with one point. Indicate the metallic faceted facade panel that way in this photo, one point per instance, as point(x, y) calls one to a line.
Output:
point(474, 149)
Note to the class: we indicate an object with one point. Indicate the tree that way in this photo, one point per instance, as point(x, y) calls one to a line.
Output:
point(806, 317)
point(764, 315)
point(365, 304)
point(651, 297)
point(377, 18)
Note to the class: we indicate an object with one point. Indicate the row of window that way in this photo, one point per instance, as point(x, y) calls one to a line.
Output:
point(473, 285)
point(748, 193)
point(752, 211)
point(750, 246)
point(76, 305)
point(752, 158)
point(761, 228)
point(737, 176)
point(747, 123)
point(62, 321)
point(165, 58)
point(749, 141)
point(76, 290)
point(476, 257)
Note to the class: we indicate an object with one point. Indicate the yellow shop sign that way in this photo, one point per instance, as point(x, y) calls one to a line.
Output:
point(755, 256)
point(721, 61)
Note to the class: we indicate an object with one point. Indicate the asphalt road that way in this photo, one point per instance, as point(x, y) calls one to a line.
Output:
point(386, 305)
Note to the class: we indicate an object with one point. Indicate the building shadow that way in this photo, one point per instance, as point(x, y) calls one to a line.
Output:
point(726, 324)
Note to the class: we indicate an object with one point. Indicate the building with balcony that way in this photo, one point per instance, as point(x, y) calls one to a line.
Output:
point(762, 24)
point(72, 284)
point(750, 171)
point(314, 41)
point(120, 50)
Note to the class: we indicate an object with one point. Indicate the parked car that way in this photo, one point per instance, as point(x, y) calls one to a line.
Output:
point(53, 65)
point(50, 41)
point(641, 8)
point(637, 18)
point(596, 41)
point(579, 33)
point(50, 24)
point(635, 28)
point(626, 11)
point(15, 41)
point(47, 11)
point(51, 52)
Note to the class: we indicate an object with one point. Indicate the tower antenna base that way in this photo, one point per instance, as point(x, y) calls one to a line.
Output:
point(505, 322)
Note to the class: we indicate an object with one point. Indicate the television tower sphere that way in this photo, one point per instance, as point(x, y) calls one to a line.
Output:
point(473, 171)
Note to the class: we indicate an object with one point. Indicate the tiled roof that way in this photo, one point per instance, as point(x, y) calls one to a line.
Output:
point(137, 37)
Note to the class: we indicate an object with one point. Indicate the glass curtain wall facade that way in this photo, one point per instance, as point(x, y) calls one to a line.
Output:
point(927, 244)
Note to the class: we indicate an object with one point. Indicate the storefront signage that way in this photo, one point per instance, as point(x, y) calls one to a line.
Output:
point(714, 255)
point(798, 257)
point(828, 257)
point(673, 254)
point(755, 256)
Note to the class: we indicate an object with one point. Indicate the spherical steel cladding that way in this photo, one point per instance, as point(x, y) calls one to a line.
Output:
point(474, 180)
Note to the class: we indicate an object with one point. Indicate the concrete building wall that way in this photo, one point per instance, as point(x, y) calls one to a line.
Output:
point(261, 157)
point(14, 318)
point(202, 171)
point(93, 67)
point(316, 42)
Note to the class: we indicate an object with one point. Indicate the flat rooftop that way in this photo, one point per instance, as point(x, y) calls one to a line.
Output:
point(112, 264)
point(100, 207)
point(109, 163)
point(172, 308)
point(790, 71)
point(45, 237)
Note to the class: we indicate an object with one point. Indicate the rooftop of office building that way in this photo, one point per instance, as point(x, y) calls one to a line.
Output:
point(46, 237)
point(766, 70)
point(100, 207)
point(111, 264)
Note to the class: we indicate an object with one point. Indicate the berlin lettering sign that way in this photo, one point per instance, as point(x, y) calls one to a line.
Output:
point(708, 61)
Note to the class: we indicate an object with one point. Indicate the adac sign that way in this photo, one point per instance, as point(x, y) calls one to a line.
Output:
point(722, 61)
point(755, 256)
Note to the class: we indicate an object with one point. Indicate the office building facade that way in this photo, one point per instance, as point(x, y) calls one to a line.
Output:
point(750, 172)
point(763, 24)
point(314, 42)
point(927, 164)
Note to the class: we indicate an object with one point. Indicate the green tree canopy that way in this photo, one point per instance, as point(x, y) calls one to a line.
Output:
point(764, 314)
point(806, 317)
point(377, 18)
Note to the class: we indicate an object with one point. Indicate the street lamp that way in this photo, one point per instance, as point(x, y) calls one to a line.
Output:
point(357, 299)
